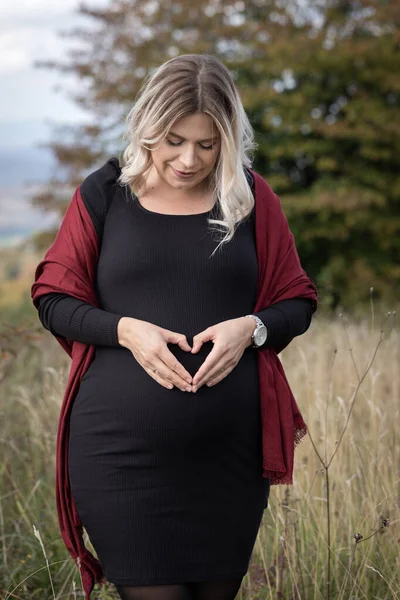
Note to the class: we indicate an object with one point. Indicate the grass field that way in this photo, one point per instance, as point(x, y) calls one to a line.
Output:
point(345, 377)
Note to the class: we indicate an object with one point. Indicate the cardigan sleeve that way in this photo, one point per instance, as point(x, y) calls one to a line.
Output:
point(71, 318)
point(285, 320)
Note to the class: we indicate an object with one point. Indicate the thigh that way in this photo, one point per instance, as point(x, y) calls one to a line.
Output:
point(218, 589)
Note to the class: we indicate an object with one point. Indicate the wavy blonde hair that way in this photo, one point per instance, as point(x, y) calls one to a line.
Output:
point(184, 85)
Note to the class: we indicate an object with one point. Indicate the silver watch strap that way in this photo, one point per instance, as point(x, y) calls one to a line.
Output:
point(256, 319)
point(259, 323)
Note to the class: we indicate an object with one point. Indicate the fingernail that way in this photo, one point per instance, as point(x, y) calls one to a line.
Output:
point(188, 389)
point(195, 389)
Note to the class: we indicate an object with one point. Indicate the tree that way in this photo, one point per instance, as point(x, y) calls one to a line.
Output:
point(320, 84)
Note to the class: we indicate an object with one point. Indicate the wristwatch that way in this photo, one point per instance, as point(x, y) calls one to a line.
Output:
point(260, 333)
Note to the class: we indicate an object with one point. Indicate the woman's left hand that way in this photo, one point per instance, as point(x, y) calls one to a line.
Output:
point(230, 339)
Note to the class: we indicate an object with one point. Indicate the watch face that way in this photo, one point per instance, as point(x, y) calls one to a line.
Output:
point(260, 336)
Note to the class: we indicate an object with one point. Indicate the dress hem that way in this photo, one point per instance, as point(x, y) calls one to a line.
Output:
point(178, 579)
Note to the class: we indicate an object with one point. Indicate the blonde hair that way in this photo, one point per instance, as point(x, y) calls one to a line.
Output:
point(184, 85)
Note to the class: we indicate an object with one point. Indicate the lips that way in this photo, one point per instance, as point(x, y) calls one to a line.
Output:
point(184, 172)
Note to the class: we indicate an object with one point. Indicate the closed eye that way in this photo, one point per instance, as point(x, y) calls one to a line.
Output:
point(179, 143)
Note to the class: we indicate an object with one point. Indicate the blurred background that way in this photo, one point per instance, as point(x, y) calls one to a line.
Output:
point(320, 81)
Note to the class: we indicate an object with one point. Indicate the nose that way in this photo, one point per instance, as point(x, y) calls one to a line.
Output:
point(188, 157)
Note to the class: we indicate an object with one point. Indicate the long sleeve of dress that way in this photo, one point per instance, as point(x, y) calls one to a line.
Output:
point(71, 318)
point(285, 320)
point(68, 317)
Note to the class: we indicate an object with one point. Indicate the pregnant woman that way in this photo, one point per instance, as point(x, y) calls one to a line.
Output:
point(165, 440)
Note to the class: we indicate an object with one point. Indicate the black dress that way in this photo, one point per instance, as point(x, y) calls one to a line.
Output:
point(174, 478)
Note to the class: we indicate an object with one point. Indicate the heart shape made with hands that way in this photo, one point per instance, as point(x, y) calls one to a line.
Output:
point(230, 339)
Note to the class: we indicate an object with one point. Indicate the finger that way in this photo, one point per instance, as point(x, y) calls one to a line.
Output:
point(170, 375)
point(173, 363)
point(210, 363)
point(200, 338)
point(220, 370)
point(160, 370)
point(216, 372)
point(156, 376)
point(153, 364)
point(212, 381)
point(178, 338)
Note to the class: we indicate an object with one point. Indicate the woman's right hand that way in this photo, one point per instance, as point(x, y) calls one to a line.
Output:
point(148, 344)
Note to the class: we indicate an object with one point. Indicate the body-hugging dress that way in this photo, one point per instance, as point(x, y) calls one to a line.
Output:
point(174, 478)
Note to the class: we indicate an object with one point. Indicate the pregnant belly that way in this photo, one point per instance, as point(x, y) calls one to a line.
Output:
point(122, 411)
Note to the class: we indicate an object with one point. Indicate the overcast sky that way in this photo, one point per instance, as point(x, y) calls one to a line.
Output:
point(29, 31)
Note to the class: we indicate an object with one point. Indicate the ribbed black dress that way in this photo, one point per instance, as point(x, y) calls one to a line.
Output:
point(168, 484)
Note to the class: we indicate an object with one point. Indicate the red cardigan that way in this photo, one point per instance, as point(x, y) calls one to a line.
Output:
point(69, 266)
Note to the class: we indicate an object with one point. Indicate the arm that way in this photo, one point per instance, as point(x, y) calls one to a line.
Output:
point(285, 320)
point(71, 318)
point(69, 265)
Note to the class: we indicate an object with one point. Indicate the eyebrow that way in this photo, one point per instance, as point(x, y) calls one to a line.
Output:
point(182, 138)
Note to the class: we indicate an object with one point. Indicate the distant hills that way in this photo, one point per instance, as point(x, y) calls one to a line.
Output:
point(24, 166)
point(22, 171)
point(21, 165)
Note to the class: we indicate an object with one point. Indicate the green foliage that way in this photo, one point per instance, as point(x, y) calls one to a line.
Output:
point(321, 87)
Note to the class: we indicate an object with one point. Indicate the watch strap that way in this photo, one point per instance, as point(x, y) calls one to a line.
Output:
point(259, 324)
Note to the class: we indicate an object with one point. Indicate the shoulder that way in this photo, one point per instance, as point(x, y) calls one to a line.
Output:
point(101, 183)
point(98, 189)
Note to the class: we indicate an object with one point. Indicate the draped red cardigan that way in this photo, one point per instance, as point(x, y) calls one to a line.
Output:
point(69, 266)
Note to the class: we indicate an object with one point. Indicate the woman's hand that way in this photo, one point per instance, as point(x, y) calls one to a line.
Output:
point(148, 344)
point(230, 339)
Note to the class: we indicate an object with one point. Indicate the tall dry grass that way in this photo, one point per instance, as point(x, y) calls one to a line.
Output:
point(334, 534)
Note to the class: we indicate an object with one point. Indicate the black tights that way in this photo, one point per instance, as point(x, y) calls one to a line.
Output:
point(221, 589)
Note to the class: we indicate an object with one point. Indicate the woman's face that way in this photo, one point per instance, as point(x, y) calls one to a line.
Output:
point(192, 145)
